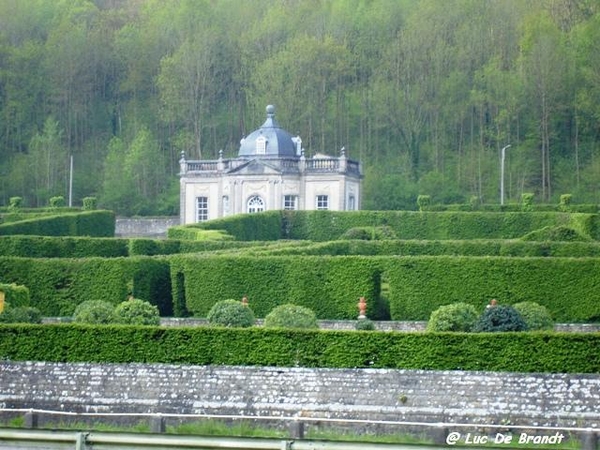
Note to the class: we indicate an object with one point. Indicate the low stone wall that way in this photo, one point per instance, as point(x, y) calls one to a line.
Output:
point(150, 227)
point(345, 324)
point(374, 394)
point(323, 324)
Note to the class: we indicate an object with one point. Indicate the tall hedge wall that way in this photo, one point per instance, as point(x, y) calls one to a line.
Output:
point(330, 225)
point(57, 286)
point(266, 226)
point(568, 287)
point(87, 223)
point(511, 352)
point(330, 286)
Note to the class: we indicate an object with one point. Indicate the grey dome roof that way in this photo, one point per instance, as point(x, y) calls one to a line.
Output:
point(272, 140)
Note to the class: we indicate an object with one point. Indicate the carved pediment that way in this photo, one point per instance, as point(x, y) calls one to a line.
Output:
point(255, 167)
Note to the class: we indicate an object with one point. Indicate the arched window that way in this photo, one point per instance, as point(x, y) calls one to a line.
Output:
point(255, 204)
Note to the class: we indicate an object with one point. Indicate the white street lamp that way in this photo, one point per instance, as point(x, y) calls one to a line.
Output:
point(502, 174)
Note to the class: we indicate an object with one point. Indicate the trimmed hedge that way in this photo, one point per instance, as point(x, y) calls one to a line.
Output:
point(81, 247)
point(510, 352)
point(264, 226)
point(331, 225)
point(87, 223)
point(57, 286)
point(431, 248)
point(567, 287)
point(62, 247)
point(192, 233)
point(330, 286)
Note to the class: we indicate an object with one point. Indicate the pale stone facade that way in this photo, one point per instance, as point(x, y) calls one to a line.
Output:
point(270, 173)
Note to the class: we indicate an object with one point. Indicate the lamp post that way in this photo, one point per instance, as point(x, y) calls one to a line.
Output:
point(502, 173)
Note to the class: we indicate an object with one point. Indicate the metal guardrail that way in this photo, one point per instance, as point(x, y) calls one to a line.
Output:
point(51, 440)
point(55, 440)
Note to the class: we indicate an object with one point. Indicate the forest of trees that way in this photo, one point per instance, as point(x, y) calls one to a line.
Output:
point(425, 93)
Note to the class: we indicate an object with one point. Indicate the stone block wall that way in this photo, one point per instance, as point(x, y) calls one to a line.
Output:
point(372, 394)
point(150, 227)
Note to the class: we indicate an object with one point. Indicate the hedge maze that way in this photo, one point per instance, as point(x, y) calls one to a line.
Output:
point(311, 259)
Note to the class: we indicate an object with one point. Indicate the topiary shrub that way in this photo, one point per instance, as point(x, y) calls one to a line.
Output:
point(535, 316)
point(365, 325)
point(527, 201)
point(90, 203)
point(57, 202)
point(453, 317)
point(291, 316)
point(94, 312)
point(500, 318)
point(136, 312)
point(565, 202)
point(15, 203)
point(231, 313)
point(423, 202)
point(20, 314)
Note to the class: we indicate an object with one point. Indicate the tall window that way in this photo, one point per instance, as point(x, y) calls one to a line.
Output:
point(225, 205)
point(261, 145)
point(290, 202)
point(256, 204)
point(351, 203)
point(201, 209)
point(322, 202)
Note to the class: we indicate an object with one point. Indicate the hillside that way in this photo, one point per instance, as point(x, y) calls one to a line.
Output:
point(425, 94)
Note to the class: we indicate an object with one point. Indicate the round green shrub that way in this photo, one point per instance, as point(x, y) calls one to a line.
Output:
point(94, 312)
point(454, 317)
point(291, 316)
point(535, 316)
point(57, 202)
point(21, 314)
point(365, 325)
point(231, 313)
point(500, 318)
point(137, 312)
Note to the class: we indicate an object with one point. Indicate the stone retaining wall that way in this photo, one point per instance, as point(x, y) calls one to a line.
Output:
point(150, 227)
point(374, 394)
